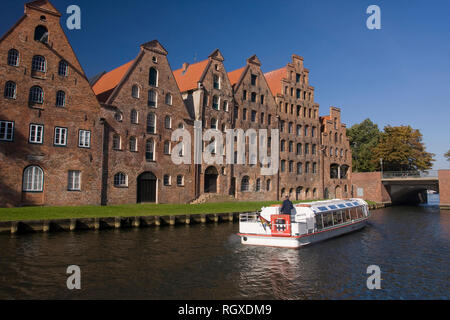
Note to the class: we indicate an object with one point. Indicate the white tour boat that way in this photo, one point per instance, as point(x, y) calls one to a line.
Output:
point(307, 223)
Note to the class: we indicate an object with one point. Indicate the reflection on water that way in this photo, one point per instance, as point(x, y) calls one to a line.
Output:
point(410, 244)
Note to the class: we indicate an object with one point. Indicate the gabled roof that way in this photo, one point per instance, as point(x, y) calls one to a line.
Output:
point(235, 75)
point(109, 81)
point(274, 80)
point(44, 6)
point(188, 79)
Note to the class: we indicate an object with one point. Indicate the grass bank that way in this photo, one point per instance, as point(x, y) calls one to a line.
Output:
point(54, 213)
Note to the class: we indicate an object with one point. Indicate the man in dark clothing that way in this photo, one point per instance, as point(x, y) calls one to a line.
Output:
point(287, 206)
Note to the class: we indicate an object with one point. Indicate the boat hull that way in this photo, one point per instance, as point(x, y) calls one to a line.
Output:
point(299, 241)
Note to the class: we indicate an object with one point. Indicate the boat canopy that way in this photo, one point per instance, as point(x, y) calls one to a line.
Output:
point(334, 205)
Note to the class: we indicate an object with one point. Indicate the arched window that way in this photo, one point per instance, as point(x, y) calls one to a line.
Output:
point(291, 146)
point(10, 90)
point(166, 147)
point(116, 142)
point(216, 102)
point(299, 168)
point(245, 184)
point(153, 77)
point(38, 64)
point(216, 82)
point(336, 137)
point(63, 68)
point(180, 181)
point(169, 99)
point(299, 149)
point(135, 91)
point(225, 106)
point(214, 124)
point(291, 166)
point(120, 180)
point(283, 166)
point(168, 122)
point(33, 179)
point(151, 123)
point(152, 98)
point(283, 145)
point(36, 95)
point(134, 116)
point(133, 144)
point(60, 98)
point(150, 150)
point(258, 185)
point(167, 180)
point(314, 193)
point(268, 185)
point(307, 167)
point(13, 57)
point(41, 34)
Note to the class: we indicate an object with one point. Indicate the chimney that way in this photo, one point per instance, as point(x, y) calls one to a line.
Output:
point(185, 67)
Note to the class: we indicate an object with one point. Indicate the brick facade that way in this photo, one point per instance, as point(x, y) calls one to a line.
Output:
point(57, 150)
point(368, 186)
point(131, 113)
point(336, 155)
point(444, 188)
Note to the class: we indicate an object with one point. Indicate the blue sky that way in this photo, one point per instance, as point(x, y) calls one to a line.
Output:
point(399, 75)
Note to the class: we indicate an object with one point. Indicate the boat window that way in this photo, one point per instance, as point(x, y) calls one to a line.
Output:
point(360, 213)
point(349, 205)
point(332, 207)
point(354, 213)
point(356, 203)
point(344, 216)
point(341, 206)
point(337, 217)
point(348, 215)
point(319, 224)
point(323, 208)
point(327, 219)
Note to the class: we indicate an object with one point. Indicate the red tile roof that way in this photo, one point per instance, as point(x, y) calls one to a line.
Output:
point(109, 81)
point(189, 80)
point(274, 80)
point(235, 75)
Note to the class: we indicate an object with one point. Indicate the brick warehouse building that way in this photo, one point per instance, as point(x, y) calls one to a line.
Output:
point(50, 150)
point(111, 144)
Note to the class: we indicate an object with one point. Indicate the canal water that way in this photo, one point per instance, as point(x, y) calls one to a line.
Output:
point(411, 245)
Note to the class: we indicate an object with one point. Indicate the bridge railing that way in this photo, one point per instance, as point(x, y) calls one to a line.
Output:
point(410, 174)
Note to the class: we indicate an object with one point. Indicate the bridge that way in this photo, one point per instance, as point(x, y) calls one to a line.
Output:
point(410, 186)
point(403, 187)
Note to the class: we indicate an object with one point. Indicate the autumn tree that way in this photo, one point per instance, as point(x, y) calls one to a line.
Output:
point(402, 149)
point(363, 138)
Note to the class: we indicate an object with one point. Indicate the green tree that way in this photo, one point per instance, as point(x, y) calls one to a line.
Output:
point(402, 149)
point(363, 138)
point(447, 155)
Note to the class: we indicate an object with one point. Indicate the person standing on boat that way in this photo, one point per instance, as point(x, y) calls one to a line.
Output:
point(287, 206)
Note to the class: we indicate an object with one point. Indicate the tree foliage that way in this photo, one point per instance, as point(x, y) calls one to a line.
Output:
point(402, 149)
point(447, 155)
point(363, 138)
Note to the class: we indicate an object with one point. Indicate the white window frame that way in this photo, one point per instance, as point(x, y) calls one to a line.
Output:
point(33, 181)
point(38, 137)
point(84, 139)
point(74, 180)
point(60, 138)
point(125, 180)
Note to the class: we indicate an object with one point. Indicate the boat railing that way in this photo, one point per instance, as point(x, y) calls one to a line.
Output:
point(249, 217)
